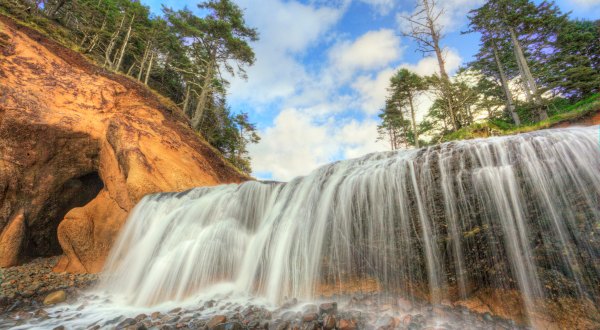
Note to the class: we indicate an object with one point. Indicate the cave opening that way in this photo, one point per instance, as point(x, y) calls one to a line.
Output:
point(75, 192)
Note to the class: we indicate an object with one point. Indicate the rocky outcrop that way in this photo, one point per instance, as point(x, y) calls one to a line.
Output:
point(79, 146)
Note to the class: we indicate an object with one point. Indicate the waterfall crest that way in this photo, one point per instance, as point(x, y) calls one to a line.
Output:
point(514, 212)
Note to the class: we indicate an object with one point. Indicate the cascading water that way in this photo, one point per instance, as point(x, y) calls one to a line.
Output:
point(508, 213)
point(516, 214)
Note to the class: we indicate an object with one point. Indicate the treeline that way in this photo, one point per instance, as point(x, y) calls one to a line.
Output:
point(179, 54)
point(533, 60)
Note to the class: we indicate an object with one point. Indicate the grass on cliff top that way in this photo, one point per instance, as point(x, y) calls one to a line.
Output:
point(559, 113)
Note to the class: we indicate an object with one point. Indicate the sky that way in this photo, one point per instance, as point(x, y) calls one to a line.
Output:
point(322, 69)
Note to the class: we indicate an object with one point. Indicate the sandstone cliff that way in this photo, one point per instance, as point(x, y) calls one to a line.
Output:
point(79, 146)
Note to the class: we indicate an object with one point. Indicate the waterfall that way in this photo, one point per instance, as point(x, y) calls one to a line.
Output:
point(516, 213)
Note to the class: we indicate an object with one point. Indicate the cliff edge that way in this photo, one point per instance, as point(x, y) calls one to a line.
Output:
point(79, 147)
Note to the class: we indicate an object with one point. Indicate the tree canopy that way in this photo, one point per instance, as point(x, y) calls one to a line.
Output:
point(182, 55)
point(531, 57)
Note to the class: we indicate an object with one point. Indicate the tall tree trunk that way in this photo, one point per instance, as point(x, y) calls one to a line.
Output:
point(111, 45)
point(144, 58)
point(149, 69)
point(413, 120)
point(202, 99)
point(446, 85)
point(526, 74)
point(186, 101)
point(130, 68)
point(56, 8)
point(510, 107)
point(95, 38)
point(124, 46)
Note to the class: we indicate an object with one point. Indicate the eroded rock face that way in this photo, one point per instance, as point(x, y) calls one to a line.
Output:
point(78, 148)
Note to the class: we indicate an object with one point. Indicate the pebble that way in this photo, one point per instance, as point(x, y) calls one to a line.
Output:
point(365, 311)
point(34, 280)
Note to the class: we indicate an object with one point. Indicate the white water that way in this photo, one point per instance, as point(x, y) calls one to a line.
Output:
point(398, 217)
point(493, 213)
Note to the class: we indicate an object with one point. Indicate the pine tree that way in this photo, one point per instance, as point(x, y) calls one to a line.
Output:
point(573, 72)
point(218, 40)
point(404, 88)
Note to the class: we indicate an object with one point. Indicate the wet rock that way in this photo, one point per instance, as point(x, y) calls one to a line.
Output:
point(115, 320)
point(313, 325)
point(125, 323)
point(345, 324)
point(173, 319)
point(414, 326)
point(386, 323)
point(280, 325)
point(196, 324)
point(216, 320)
point(328, 308)
point(488, 317)
point(288, 316)
point(309, 317)
point(406, 320)
point(41, 314)
point(137, 326)
point(329, 322)
point(228, 326)
point(55, 297)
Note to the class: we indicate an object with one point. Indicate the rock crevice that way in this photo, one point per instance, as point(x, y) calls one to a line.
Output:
point(79, 147)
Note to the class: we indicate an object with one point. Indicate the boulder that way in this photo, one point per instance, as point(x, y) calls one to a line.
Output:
point(55, 297)
point(79, 147)
point(11, 240)
point(216, 320)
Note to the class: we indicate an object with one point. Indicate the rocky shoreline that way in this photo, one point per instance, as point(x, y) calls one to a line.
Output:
point(26, 286)
point(24, 289)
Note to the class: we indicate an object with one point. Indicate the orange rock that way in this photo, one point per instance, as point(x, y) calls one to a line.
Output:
point(11, 241)
point(55, 297)
point(216, 320)
point(344, 324)
point(79, 147)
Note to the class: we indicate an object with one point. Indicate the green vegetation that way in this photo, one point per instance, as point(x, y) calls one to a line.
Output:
point(535, 68)
point(497, 127)
point(178, 55)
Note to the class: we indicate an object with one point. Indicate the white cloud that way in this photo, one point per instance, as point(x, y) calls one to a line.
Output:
point(316, 119)
point(382, 7)
point(373, 91)
point(291, 29)
point(292, 146)
point(360, 138)
point(374, 49)
point(297, 143)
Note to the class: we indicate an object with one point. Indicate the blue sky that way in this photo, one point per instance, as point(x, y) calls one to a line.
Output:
point(322, 70)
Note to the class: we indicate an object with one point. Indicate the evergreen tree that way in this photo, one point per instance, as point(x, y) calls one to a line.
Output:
point(573, 70)
point(393, 127)
point(405, 86)
point(180, 55)
point(218, 40)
